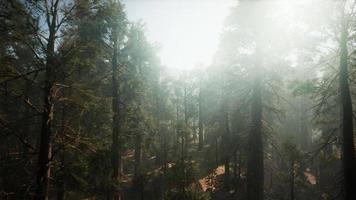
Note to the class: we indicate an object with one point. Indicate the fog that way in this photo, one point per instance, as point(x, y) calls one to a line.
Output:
point(186, 32)
point(177, 99)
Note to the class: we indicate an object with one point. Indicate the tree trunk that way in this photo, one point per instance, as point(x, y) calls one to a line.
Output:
point(240, 165)
point(234, 168)
point(176, 141)
point(137, 182)
point(225, 143)
point(292, 176)
point(186, 134)
point(45, 140)
point(26, 128)
point(255, 177)
point(61, 187)
point(4, 105)
point(216, 152)
point(304, 135)
point(164, 164)
point(159, 157)
point(43, 175)
point(138, 156)
point(200, 145)
point(348, 148)
point(115, 157)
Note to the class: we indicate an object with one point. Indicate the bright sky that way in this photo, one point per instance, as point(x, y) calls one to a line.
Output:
point(187, 31)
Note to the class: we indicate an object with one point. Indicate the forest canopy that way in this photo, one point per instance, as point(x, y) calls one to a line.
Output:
point(177, 100)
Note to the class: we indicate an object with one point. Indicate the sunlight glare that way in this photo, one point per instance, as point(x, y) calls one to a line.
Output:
point(186, 31)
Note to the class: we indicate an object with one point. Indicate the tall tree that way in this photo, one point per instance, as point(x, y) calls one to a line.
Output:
point(55, 15)
point(115, 109)
point(255, 173)
point(117, 23)
point(200, 120)
point(348, 146)
point(226, 139)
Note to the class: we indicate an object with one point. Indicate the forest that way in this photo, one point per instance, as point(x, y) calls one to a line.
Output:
point(88, 110)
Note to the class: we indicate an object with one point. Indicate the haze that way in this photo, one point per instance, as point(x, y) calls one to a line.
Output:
point(178, 99)
point(187, 32)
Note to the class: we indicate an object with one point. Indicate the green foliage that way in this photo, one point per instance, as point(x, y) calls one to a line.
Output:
point(190, 194)
point(300, 88)
point(181, 180)
point(156, 110)
point(182, 174)
point(290, 151)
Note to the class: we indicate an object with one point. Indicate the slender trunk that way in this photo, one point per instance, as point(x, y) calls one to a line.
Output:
point(273, 157)
point(255, 177)
point(165, 153)
point(235, 178)
point(138, 179)
point(45, 143)
point(227, 173)
point(292, 176)
point(176, 142)
point(225, 143)
point(159, 153)
point(164, 158)
point(62, 178)
point(138, 184)
point(348, 148)
point(61, 187)
point(43, 175)
point(142, 187)
point(235, 165)
point(186, 134)
point(271, 180)
point(216, 152)
point(159, 159)
point(303, 125)
point(45, 147)
point(115, 157)
point(162, 140)
point(174, 136)
point(320, 173)
point(26, 128)
point(240, 163)
point(200, 146)
point(138, 156)
point(4, 105)
point(182, 146)
point(61, 191)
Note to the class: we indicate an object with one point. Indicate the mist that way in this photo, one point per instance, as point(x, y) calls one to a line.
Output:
point(177, 100)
